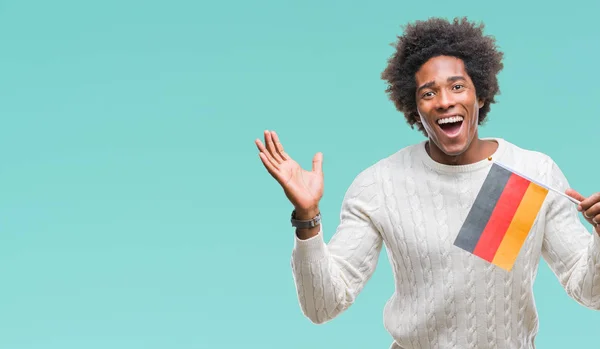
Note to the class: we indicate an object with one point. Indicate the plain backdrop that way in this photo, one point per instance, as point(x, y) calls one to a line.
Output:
point(134, 209)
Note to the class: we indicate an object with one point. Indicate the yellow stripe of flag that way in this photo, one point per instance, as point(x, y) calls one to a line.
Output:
point(519, 227)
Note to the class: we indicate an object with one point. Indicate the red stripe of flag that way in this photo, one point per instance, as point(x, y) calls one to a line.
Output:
point(501, 217)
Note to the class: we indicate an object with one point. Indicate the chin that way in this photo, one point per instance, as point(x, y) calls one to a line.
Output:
point(454, 149)
point(454, 146)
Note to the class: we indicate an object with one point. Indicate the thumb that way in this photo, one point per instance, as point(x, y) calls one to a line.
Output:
point(317, 163)
point(575, 195)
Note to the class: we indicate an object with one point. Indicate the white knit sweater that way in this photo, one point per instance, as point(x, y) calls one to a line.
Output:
point(444, 297)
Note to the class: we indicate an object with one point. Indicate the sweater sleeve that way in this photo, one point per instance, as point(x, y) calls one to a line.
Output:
point(571, 251)
point(329, 276)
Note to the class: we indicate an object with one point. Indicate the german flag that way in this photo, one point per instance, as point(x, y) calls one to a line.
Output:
point(501, 216)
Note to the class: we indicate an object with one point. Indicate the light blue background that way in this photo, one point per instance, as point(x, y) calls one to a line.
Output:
point(134, 210)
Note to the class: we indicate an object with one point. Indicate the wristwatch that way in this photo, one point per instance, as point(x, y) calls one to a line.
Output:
point(305, 224)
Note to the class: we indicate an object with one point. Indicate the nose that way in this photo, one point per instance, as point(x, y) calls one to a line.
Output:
point(445, 100)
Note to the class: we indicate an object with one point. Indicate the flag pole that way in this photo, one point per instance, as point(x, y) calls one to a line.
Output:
point(538, 183)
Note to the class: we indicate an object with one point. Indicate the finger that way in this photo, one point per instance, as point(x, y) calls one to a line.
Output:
point(589, 203)
point(269, 165)
point(265, 152)
point(317, 163)
point(271, 147)
point(593, 213)
point(279, 146)
point(596, 219)
point(575, 195)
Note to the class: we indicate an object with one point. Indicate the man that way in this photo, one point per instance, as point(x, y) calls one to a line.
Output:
point(443, 79)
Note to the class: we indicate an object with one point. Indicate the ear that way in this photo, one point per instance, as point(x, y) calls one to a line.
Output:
point(480, 103)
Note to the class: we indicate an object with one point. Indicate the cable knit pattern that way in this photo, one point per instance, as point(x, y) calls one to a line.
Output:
point(508, 314)
point(425, 262)
point(405, 295)
point(490, 306)
point(464, 201)
point(444, 297)
point(444, 253)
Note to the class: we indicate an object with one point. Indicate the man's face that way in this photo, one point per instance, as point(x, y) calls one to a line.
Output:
point(447, 104)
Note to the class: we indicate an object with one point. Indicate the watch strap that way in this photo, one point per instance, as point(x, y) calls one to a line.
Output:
point(305, 224)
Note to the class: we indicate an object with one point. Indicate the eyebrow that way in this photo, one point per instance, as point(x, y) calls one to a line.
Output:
point(431, 83)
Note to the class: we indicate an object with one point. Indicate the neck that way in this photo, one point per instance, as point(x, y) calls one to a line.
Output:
point(478, 150)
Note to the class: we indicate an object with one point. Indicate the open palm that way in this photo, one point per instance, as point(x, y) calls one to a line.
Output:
point(303, 188)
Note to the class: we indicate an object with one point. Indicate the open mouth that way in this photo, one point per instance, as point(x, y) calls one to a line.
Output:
point(451, 125)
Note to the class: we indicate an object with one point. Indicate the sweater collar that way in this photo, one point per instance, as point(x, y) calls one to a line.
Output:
point(421, 153)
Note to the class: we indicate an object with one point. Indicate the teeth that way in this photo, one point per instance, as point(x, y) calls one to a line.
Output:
point(450, 120)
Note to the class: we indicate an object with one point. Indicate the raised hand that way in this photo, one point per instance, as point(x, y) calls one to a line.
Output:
point(303, 188)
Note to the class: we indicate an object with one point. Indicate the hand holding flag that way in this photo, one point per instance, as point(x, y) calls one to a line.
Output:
point(504, 211)
point(589, 207)
point(499, 221)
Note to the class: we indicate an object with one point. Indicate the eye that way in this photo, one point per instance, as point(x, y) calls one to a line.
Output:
point(457, 86)
point(427, 94)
